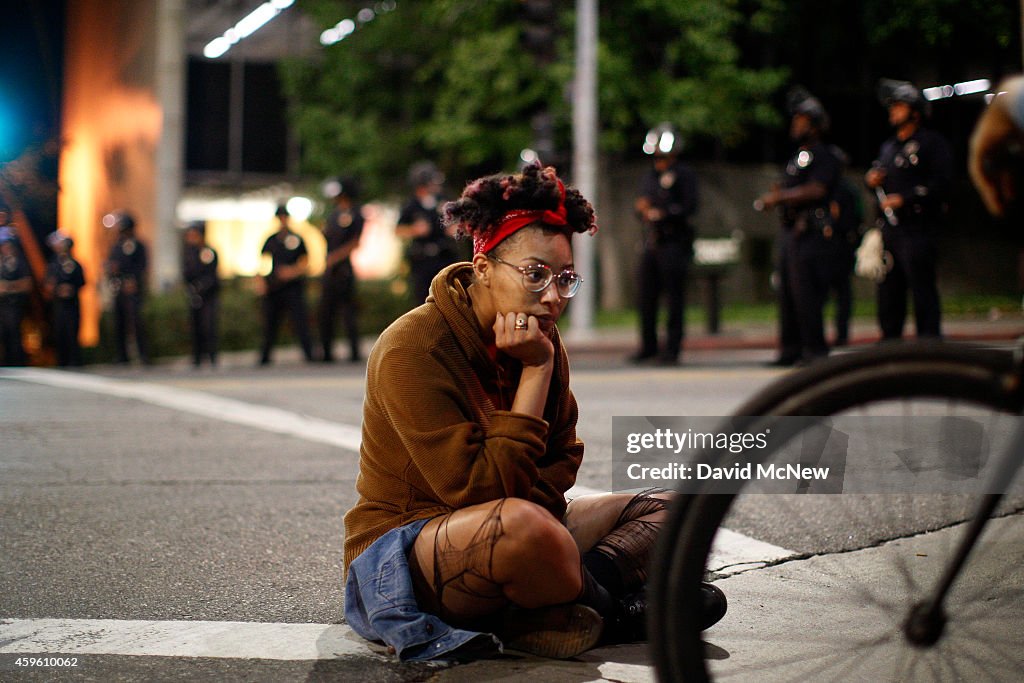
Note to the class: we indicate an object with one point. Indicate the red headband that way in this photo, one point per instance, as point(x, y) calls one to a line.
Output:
point(520, 218)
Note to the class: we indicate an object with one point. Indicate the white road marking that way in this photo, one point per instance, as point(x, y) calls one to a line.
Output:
point(624, 673)
point(199, 403)
point(220, 639)
point(733, 552)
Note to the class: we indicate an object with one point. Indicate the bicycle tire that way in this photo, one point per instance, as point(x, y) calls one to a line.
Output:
point(983, 377)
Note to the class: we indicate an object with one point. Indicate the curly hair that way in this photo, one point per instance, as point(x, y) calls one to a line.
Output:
point(486, 201)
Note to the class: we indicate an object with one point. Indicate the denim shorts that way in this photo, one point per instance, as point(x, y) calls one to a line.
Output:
point(380, 605)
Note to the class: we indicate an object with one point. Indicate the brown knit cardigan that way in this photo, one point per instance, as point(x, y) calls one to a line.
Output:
point(433, 439)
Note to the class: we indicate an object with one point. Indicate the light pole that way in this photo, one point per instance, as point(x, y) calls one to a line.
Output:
point(584, 164)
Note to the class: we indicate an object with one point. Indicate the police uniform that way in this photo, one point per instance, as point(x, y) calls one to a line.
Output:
point(666, 256)
point(343, 227)
point(807, 253)
point(199, 270)
point(13, 267)
point(920, 170)
point(66, 278)
point(429, 253)
point(285, 249)
point(847, 214)
point(126, 273)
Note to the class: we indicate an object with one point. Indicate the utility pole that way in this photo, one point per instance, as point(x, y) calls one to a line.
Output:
point(584, 164)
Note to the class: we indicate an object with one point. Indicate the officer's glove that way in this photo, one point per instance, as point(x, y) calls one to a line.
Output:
point(873, 262)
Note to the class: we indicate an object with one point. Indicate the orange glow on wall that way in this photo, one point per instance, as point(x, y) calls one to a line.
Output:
point(110, 132)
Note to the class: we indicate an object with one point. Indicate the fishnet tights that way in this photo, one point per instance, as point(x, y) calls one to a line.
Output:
point(631, 540)
point(455, 568)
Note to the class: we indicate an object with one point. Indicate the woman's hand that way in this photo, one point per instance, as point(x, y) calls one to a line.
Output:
point(534, 349)
point(531, 346)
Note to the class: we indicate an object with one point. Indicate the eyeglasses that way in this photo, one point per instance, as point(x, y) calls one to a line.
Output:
point(537, 277)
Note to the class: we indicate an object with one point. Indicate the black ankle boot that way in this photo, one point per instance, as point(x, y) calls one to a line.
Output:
point(628, 622)
point(713, 605)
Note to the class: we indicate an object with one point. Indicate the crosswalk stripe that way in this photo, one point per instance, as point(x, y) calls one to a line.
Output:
point(199, 403)
point(219, 639)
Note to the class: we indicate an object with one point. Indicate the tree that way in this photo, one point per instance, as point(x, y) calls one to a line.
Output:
point(455, 80)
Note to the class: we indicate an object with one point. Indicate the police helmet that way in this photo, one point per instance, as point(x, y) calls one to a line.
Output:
point(197, 226)
point(663, 140)
point(801, 102)
point(58, 236)
point(892, 91)
point(425, 173)
point(346, 186)
point(122, 220)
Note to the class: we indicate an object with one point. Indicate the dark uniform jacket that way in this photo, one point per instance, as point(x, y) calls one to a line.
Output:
point(64, 270)
point(674, 193)
point(811, 163)
point(435, 243)
point(199, 268)
point(284, 250)
point(920, 169)
point(127, 262)
point(342, 227)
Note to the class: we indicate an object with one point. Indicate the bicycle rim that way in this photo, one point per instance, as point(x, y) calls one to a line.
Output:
point(832, 608)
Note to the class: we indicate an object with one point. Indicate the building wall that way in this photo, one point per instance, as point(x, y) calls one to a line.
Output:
point(116, 153)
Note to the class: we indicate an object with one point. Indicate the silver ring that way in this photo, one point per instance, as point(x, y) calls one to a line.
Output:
point(520, 324)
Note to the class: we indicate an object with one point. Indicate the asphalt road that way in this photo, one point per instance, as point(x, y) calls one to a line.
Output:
point(183, 500)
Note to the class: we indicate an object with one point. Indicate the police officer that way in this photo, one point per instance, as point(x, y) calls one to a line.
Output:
point(667, 201)
point(15, 285)
point(199, 270)
point(64, 279)
point(911, 178)
point(284, 287)
point(807, 243)
point(126, 267)
point(342, 230)
point(430, 248)
point(847, 214)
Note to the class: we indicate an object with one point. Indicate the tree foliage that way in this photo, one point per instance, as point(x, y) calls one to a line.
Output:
point(450, 80)
point(939, 24)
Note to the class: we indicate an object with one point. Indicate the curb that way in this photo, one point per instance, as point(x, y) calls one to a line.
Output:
point(623, 342)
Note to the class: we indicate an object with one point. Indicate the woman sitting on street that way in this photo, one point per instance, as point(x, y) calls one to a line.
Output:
point(462, 541)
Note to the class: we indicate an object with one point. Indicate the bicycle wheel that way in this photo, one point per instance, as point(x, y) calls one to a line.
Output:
point(828, 599)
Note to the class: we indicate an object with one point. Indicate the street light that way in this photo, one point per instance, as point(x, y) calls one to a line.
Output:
point(246, 26)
